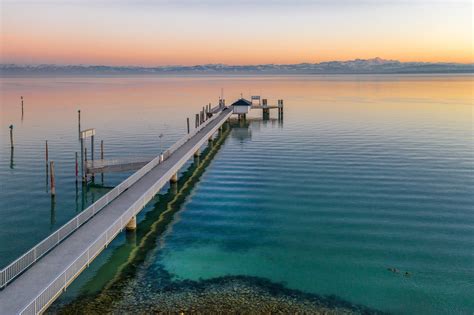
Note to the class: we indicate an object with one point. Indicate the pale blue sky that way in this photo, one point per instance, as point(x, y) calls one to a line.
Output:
point(149, 32)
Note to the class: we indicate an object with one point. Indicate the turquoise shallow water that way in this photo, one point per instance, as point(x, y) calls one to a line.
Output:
point(364, 174)
point(331, 215)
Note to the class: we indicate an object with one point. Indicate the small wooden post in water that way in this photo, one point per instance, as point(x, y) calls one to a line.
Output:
point(92, 154)
point(197, 121)
point(46, 153)
point(280, 109)
point(187, 122)
point(92, 148)
point(102, 158)
point(22, 107)
point(52, 179)
point(11, 136)
point(77, 167)
point(85, 165)
point(82, 160)
point(79, 122)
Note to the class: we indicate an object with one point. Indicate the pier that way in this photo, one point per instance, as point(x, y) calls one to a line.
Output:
point(32, 282)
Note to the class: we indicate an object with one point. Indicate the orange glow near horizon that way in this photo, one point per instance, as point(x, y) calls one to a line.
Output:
point(138, 37)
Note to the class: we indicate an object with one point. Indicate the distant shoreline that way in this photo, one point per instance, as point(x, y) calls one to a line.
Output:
point(243, 74)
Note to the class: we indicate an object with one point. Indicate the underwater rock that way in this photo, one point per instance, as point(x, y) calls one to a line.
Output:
point(230, 294)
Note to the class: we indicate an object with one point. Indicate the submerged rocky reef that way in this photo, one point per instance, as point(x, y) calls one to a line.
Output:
point(157, 293)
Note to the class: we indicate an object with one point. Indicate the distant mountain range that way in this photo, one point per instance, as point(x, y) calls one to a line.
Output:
point(357, 66)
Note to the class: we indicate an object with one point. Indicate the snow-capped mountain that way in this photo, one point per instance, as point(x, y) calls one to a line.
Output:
point(357, 66)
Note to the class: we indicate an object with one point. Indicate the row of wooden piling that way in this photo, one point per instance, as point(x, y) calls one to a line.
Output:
point(201, 117)
point(49, 164)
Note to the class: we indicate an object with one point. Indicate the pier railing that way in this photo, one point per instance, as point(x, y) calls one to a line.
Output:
point(22, 263)
point(59, 284)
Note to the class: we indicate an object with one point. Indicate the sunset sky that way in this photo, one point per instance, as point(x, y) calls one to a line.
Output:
point(187, 32)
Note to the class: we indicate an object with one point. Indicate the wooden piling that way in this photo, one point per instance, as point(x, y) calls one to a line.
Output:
point(22, 107)
point(46, 153)
point(197, 121)
point(11, 136)
point(52, 179)
point(77, 167)
point(79, 122)
point(92, 155)
point(102, 158)
point(82, 161)
point(187, 122)
point(85, 166)
point(92, 148)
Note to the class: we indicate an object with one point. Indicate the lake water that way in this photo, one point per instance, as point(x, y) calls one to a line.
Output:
point(364, 192)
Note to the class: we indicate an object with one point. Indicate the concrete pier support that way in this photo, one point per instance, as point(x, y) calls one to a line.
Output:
point(131, 238)
point(197, 160)
point(174, 178)
point(132, 224)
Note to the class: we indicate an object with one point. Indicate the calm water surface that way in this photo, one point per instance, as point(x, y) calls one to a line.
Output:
point(365, 173)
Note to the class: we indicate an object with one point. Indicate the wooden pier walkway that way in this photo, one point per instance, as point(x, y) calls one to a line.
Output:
point(36, 279)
